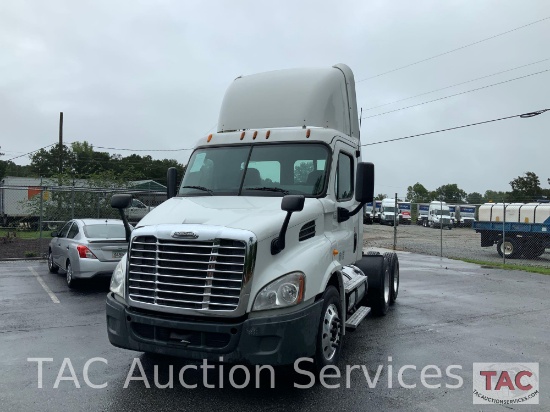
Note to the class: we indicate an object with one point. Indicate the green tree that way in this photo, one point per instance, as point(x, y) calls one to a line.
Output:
point(474, 198)
point(46, 162)
point(302, 171)
point(87, 162)
point(381, 196)
point(525, 188)
point(449, 193)
point(417, 193)
point(495, 197)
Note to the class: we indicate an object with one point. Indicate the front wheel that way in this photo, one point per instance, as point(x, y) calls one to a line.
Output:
point(393, 263)
point(330, 333)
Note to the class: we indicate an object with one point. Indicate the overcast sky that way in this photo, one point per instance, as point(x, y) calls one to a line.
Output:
point(152, 74)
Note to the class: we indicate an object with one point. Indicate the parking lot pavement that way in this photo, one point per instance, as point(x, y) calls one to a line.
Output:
point(447, 313)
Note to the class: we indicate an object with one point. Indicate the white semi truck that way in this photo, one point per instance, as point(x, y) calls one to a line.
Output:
point(250, 261)
point(439, 215)
point(389, 215)
point(465, 215)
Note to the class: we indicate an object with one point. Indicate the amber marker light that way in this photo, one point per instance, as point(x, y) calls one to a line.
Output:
point(242, 135)
point(255, 135)
point(334, 252)
point(267, 134)
point(308, 132)
point(209, 138)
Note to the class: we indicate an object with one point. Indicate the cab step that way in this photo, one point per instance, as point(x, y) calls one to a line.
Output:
point(354, 320)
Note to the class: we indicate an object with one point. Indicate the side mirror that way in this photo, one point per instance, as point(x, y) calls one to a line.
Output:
point(121, 201)
point(293, 203)
point(364, 192)
point(55, 234)
point(171, 178)
point(290, 204)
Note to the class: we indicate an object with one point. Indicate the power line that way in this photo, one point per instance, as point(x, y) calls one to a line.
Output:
point(456, 94)
point(523, 116)
point(454, 85)
point(452, 51)
point(34, 151)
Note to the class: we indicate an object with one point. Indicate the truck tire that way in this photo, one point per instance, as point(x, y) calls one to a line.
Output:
point(378, 295)
point(512, 248)
point(534, 252)
point(52, 267)
point(330, 333)
point(393, 263)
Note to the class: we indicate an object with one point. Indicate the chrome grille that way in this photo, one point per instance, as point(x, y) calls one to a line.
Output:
point(186, 274)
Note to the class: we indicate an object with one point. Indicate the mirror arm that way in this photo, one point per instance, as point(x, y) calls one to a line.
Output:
point(278, 244)
point(126, 225)
point(344, 214)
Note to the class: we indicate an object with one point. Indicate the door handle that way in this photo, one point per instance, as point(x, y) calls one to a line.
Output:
point(67, 247)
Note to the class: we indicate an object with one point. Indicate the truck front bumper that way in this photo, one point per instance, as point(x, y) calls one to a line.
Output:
point(278, 340)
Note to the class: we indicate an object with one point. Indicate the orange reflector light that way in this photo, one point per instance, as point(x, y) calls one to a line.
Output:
point(334, 252)
point(209, 138)
point(308, 132)
point(255, 134)
point(242, 135)
point(267, 134)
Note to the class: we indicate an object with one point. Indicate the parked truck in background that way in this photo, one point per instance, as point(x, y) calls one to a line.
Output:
point(422, 210)
point(376, 211)
point(368, 214)
point(452, 212)
point(248, 260)
point(439, 215)
point(389, 215)
point(526, 228)
point(465, 215)
point(404, 212)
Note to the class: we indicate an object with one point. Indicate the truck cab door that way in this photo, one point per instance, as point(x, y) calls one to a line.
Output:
point(347, 234)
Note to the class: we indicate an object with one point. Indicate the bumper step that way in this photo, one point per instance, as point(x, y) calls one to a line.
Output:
point(354, 320)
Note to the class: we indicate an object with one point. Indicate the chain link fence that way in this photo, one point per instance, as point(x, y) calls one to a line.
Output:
point(511, 233)
point(29, 215)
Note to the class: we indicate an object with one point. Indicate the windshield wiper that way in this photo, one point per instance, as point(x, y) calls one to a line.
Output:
point(268, 189)
point(199, 188)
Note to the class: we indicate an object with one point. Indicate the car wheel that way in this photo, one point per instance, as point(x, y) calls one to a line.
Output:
point(330, 333)
point(510, 248)
point(71, 281)
point(52, 267)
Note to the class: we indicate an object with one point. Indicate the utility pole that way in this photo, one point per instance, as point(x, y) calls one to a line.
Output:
point(60, 142)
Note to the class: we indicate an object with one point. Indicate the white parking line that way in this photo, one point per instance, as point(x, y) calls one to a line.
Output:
point(43, 284)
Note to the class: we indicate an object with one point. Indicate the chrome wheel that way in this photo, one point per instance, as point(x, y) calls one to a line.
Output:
point(69, 274)
point(52, 267)
point(331, 332)
point(387, 285)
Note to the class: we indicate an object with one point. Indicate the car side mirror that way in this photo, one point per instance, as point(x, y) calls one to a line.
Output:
point(55, 234)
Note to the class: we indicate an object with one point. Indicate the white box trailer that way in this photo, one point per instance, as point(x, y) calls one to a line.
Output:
point(16, 199)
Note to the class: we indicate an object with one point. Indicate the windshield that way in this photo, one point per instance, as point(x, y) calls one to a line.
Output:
point(389, 209)
point(261, 170)
point(445, 212)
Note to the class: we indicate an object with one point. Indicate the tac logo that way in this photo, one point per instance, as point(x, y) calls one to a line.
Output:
point(506, 383)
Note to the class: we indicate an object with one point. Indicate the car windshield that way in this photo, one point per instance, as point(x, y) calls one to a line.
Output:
point(104, 231)
point(257, 170)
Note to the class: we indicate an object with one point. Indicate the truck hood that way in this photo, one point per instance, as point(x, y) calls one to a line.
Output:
point(260, 215)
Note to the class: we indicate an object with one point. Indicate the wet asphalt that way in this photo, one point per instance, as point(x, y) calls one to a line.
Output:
point(447, 313)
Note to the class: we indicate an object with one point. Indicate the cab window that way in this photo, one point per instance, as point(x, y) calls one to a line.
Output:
point(344, 177)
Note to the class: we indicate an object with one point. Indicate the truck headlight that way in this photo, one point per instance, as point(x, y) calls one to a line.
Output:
point(288, 290)
point(118, 278)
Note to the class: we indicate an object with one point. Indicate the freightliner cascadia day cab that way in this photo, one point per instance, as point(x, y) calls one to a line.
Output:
point(257, 257)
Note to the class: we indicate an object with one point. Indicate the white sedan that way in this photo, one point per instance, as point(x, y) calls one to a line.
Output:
point(87, 248)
